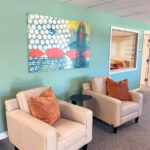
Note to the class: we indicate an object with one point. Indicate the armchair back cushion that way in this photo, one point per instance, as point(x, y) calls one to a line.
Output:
point(24, 97)
point(99, 84)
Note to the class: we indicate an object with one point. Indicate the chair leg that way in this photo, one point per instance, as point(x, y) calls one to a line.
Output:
point(85, 147)
point(115, 129)
point(136, 120)
point(16, 148)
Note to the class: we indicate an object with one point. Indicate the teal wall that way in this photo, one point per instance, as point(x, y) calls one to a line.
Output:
point(13, 49)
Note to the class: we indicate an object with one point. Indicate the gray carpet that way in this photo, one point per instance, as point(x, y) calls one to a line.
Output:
point(130, 136)
point(5, 145)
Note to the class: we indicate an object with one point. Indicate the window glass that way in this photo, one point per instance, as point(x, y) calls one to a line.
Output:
point(123, 49)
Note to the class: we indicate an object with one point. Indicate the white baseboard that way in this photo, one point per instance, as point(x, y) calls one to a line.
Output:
point(3, 135)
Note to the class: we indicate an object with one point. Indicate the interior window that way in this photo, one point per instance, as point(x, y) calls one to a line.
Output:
point(123, 50)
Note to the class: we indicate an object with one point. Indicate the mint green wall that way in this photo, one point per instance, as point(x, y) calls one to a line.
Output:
point(13, 49)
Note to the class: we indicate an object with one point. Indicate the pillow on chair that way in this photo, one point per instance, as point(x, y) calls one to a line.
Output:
point(45, 107)
point(118, 90)
point(48, 93)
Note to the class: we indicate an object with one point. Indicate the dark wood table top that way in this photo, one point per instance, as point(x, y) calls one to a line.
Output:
point(80, 97)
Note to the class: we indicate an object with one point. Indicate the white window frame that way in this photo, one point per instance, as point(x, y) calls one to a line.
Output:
point(128, 69)
point(146, 31)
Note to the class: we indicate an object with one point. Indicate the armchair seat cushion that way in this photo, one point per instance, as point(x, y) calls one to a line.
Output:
point(129, 107)
point(68, 132)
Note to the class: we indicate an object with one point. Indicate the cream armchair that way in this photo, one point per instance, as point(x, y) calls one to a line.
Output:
point(109, 109)
point(71, 132)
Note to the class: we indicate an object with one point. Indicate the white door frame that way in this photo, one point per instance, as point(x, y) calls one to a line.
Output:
point(145, 32)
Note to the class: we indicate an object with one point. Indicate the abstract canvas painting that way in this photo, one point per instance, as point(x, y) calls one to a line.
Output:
point(57, 44)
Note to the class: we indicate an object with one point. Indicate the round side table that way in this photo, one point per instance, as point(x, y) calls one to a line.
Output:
point(79, 98)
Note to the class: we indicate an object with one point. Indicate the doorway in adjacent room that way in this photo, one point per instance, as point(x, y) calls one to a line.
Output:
point(145, 70)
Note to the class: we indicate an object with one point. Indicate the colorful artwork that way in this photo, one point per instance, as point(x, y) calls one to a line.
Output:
point(56, 44)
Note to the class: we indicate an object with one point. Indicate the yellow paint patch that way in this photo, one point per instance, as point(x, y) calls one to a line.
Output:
point(75, 24)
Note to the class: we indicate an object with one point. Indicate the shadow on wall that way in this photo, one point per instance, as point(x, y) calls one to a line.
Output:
point(74, 87)
point(18, 85)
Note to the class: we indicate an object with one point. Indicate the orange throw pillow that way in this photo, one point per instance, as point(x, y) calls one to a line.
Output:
point(45, 109)
point(118, 90)
point(48, 93)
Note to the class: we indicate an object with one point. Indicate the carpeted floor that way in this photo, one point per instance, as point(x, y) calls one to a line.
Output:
point(5, 145)
point(130, 136)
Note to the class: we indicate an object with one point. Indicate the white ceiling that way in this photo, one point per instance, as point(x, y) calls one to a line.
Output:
point(138, 10)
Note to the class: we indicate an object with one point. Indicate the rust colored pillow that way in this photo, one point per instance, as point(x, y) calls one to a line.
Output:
point(45, 109)
point(118, 90)
point(48, 93)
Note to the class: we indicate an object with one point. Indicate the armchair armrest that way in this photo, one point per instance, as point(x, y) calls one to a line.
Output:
point(138, 98)
point(107, 108)
point(78, 114)
point(28, 133)
point(11, 104)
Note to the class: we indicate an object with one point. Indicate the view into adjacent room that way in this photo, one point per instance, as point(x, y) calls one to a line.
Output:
point(145, 73)
point(123, 49)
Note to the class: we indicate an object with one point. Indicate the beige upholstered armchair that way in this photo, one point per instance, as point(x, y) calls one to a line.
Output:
point(109, 109)
point(71, 132)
